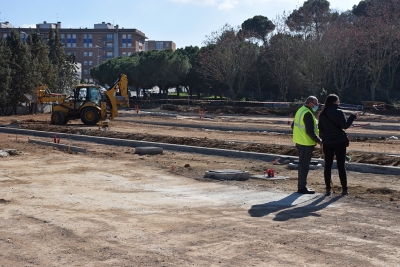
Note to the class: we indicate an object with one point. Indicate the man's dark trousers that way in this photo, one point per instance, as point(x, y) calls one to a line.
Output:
point(305, 155)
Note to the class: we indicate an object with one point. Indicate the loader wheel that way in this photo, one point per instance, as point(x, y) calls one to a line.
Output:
point(57, 118)
point(90, 116)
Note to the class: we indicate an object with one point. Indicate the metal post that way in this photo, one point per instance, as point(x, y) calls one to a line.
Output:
point(98, 54)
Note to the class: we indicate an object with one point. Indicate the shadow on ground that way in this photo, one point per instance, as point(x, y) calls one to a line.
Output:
point(285, 210)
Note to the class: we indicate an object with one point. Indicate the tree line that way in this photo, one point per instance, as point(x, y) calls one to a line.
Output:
point(29, 61)
point(313, 50)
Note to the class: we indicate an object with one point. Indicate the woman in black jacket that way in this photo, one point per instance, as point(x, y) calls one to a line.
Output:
point(331, 123)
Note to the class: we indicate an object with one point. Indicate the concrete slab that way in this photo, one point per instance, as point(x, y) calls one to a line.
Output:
point(228, 174)
point(265, 177)
point(294, 166)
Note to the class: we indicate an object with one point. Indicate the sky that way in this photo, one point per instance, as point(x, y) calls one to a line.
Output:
point(185, 22)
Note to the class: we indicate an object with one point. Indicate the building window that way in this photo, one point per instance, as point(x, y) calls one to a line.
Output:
point(85, 71)
point(71, 40)
point(127, 40)
point(85, 62)
point(109, 46)
point(62, 37)
point(91, 80)
point(159, 45)
point(68, 40)
point(166, 44)
point(124, 40)
point(90, 54)
point(110, 37)
point(124, 53)
point(90, 63)
point(110, 54)
point(87, 40)
point(129, 53)
point(146, 46)
point(85, 54)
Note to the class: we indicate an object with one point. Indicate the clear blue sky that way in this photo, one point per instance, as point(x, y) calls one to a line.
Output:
point(185, 22)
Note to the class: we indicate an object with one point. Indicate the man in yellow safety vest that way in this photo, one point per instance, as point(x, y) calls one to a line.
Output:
point(306, 137)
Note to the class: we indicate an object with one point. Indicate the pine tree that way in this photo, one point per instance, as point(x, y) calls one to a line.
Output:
point(5, 75)
point(22, 81)
point(64, 66)
point(40, 59)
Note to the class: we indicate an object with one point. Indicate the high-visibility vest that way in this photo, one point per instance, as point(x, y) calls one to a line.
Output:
point(299, 129)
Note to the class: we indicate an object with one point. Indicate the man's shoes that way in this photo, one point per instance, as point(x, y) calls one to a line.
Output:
point(328, 192)
point(305, 190)
point(344, 192)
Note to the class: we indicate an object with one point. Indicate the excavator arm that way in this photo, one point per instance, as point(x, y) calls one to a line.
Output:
point(43, 95)
point(121, 85)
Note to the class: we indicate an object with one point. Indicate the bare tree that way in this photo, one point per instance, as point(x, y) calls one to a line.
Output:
point(228, 59)
point(258, 76)
point(282, 56)
point(378, 40)
point(340, 46)
point(311, 20)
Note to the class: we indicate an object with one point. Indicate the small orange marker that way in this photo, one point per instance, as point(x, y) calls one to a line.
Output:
point(172, 168)
point(201, 112)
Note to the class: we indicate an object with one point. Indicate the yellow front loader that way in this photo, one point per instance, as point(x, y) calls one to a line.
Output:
point(89, 103)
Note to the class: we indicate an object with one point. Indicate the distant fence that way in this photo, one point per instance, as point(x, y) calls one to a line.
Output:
point(351, 107)
point(268, 104)
point(218, 102)
point(367, 105)
point(374, 105)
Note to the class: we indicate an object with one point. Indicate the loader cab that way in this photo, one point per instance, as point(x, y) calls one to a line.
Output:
point(84, 94)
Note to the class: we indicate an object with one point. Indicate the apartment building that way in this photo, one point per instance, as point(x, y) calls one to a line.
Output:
point(91, 46)
point(159, 45)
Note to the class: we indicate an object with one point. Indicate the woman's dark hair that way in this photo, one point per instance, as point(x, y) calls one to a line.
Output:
point(330, 100)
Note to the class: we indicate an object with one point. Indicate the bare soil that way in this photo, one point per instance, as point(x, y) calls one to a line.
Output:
point(111, 207)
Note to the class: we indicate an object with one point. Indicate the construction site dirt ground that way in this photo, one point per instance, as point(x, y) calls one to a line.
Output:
point(111, 207)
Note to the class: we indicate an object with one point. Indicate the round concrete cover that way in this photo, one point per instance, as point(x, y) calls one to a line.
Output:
point(228, 174)
point(148, 150)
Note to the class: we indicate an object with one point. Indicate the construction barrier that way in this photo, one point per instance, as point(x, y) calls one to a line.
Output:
point(376, 105)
